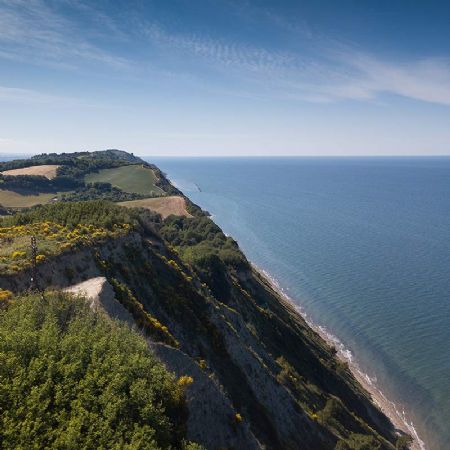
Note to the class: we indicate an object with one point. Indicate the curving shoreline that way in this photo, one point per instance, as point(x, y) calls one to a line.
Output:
point(389, 408)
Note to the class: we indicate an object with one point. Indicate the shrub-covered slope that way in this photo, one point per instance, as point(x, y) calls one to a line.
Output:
point(71, 378)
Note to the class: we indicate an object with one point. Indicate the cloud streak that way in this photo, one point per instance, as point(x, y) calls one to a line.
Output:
point(316, 69)
point(31, 31)
point(336, 73)
point(29, 96)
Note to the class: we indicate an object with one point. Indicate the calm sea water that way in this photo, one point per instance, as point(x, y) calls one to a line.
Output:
point(363, 245)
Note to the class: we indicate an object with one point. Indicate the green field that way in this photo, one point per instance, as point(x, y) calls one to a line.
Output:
point(11, 199)
point(133, 179)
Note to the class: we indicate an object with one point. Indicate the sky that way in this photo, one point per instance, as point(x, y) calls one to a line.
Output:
point(225, 77)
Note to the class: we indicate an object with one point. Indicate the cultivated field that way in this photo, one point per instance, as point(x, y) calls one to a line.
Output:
point(47, 171)
point(163, 205)
point(134, 179)
point(11, 199)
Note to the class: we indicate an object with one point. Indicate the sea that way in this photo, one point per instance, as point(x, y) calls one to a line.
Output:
point(362, 247)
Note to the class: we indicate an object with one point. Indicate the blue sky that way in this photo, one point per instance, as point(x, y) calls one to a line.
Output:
point(225, 77)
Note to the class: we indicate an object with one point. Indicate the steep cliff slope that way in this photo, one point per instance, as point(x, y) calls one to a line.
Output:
point(262, 377)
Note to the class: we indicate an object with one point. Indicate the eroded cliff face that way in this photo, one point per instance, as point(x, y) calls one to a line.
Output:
point(262, 377)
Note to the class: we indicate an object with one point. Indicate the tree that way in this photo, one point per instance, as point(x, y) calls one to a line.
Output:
point(72, 378)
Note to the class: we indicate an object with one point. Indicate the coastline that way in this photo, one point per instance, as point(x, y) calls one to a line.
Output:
point(396, 415)
point(389, 408)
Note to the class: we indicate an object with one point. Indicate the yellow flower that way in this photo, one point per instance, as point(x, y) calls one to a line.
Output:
point(185, 380)
point(18, 254)
point(5, 295)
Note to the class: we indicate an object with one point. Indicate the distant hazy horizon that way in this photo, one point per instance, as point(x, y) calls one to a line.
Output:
point(256, 156)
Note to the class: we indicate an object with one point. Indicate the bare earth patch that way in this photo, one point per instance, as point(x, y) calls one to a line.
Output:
point(11, 199)
point(101, 296)
point(165, 206)
point(47, 171)
point(91, 288)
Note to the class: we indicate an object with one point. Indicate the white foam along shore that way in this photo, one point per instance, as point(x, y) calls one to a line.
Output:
point(396, 415)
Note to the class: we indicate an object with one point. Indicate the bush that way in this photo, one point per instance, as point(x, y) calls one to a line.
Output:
point(358, 442)
point(71, 378)
point(96, 212)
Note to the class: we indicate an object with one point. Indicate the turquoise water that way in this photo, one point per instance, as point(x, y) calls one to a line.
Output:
point(363, 246)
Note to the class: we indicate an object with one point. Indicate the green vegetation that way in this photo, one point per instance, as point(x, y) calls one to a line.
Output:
point(71, 378)
point(53, 239)
point(95, 212)
point(133, 179)
point(33, 184)
point(121, 177)
point(80, 162)
point(59, 227)
point(358, 442)
point(64, 226)
point(150, 325)
point(99, 191)
point(201, 242)
point(70, 173)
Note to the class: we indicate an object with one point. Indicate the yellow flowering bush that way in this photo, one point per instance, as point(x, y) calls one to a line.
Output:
point(185, 380)
point(5, 294)
point(5, 298)
point(52, 239)
point(18, 254)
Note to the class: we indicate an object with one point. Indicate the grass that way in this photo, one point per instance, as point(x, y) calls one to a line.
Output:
point(11, 199)
point(165, 206)
point(133, 179)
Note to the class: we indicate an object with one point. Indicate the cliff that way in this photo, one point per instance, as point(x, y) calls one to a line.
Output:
point(262, 377)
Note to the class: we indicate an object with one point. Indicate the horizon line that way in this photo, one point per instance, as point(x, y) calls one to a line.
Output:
point(141, 155)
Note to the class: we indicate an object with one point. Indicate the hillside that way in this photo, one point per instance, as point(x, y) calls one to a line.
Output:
point(109, 174)
point(72, 378)
point(261, 377)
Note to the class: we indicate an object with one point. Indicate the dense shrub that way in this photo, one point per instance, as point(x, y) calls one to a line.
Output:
point(100, 191)
point(71, 378)
point(202, 243)
point(36, 183)
point(358, 442)
point(96, 212)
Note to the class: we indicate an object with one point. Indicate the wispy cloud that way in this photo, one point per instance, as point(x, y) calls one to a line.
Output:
point(313, 68)
point(425, 79)
point(29, 96)
point(227, 54)
point(32, 31)
point(335, 73)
